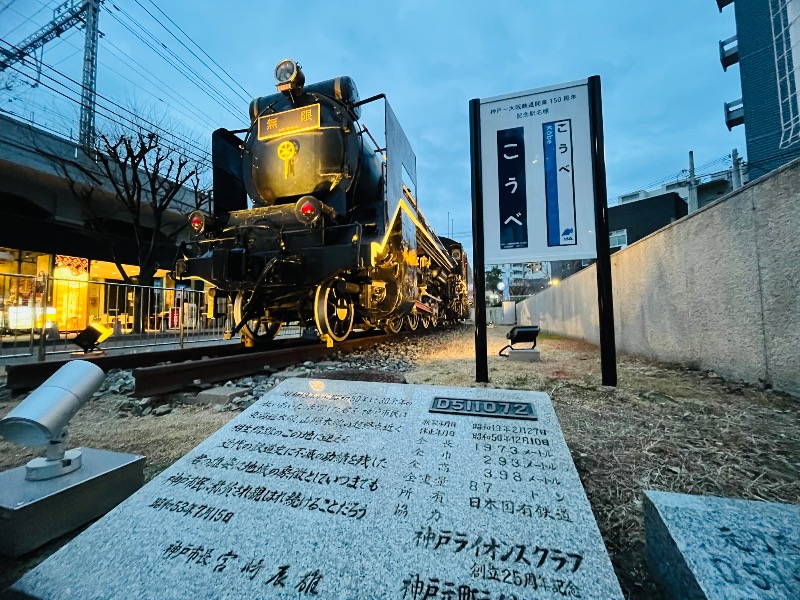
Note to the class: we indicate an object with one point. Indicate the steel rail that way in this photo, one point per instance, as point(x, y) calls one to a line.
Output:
point(27, 376)
point(161, 379)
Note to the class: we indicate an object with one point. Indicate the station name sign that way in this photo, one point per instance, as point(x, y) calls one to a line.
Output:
point(538, 186)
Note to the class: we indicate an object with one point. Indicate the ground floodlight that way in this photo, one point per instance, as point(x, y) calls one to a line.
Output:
point(42, 418)
point(89, 338)
point(521, 334)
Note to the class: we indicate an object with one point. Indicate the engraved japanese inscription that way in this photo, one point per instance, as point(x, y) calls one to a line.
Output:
point(337, 489)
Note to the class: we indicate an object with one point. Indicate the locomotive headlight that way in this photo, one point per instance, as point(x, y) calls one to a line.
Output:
point(307, 210)
point(285, 71)
point(289, 76)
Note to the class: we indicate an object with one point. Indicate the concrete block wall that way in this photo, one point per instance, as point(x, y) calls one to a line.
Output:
point(719, 289)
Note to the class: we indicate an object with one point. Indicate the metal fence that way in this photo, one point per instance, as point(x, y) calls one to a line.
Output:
point(19, 313)
point(41, 316)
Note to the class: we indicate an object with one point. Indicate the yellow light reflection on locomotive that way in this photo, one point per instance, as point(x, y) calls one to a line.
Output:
point(377, 248)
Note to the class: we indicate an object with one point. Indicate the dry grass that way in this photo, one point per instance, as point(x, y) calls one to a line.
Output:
point(662, 428)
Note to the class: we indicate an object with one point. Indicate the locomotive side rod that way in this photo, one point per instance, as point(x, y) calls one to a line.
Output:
point(162, 379)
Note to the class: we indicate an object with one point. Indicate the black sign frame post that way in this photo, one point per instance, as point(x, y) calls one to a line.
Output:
point(478, 273)
point(605, 297)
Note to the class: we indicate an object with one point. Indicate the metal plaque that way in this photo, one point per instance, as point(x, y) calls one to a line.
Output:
point(484, 408)
point(296, 120)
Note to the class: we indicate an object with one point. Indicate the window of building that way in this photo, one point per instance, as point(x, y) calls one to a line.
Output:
point(785, 33)
point(618, 238)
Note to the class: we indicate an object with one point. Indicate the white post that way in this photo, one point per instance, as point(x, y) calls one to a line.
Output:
point(736, 172)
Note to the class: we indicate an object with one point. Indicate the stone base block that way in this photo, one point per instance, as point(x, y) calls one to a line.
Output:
point(706, 548)
point(524, 355)
point(219, 395)
point(34, 512)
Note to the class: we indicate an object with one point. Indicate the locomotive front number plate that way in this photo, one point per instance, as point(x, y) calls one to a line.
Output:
point(296, 120)
point(484, 408)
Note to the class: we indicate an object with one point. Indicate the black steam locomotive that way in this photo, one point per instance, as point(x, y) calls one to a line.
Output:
point(334, 238)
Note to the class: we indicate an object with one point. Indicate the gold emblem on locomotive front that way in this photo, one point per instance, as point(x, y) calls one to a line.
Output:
point(296, 120)
point(286, 152)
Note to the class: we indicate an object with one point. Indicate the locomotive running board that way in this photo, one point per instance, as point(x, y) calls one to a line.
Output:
point(423, 307)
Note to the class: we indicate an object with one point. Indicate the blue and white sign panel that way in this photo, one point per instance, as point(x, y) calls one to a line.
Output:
point(538, 188)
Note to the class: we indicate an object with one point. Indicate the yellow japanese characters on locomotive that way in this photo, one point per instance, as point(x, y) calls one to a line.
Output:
point(296, 120)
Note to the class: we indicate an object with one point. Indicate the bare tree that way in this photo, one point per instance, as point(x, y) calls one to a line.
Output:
point(520, 287)
point(135, 184)
point(146, 176)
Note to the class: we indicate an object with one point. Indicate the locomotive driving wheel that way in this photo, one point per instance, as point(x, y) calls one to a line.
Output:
point(412, 321)
point(428, 320)
point(256, 330)
point(393, 325)
point(333, 312)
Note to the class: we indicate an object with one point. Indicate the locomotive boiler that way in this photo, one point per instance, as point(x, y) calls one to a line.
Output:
point(332, 235)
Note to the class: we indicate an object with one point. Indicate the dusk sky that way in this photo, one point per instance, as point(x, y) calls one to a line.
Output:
point(663, 86)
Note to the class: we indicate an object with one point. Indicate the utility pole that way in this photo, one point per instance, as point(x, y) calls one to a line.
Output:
point(91, 12)
point(736, 172)
point(692, 185)
point(71, 13)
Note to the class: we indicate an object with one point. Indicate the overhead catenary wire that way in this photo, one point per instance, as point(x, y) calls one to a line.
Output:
point(245, 98)
point(165, 90)
point(248, 94)
point(127, 61)
point(27, 19)
point(123, 121)
point(176, 137)
point(103, 97)
point(147, 79)
point(212, 94)
point(192, 76)
point(50, 110)
point(6, 6)
point(683, 174)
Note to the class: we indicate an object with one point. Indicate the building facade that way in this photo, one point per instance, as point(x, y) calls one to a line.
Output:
point(45, 233)
point(766, 47)
point(631, 221)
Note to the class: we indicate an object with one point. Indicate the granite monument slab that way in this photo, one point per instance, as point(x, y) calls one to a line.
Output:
point(702, 547)
point(341, 489)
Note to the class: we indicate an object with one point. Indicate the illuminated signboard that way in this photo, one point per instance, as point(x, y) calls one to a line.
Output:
point(304, 118)
point(537, 175)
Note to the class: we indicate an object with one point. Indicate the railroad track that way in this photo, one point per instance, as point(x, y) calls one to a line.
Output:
point(23, 377)
point(161, 379)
